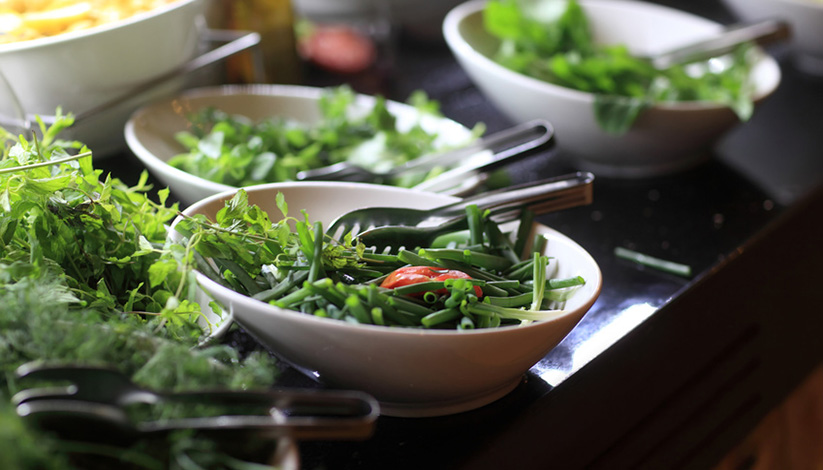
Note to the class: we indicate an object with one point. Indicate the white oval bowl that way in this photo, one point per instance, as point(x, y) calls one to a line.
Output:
point(805, 18)
point(81, 70)
point(665, 138)
point(150, 132)
point(412, 372)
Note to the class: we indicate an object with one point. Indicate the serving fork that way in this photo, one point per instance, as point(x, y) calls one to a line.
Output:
point(94, 405)
point(393, 228)
point(506, 146)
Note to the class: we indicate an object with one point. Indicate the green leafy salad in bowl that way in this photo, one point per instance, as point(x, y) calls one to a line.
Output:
point(237, 151)
point(552, 40)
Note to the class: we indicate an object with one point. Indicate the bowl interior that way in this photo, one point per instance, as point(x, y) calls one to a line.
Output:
point(411, 372)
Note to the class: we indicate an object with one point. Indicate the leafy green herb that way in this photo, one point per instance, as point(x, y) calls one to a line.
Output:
point(233, 150)
point(551, 40)
point(86, 277)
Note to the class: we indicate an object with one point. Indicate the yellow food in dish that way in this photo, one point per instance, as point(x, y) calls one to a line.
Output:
point(22, 20)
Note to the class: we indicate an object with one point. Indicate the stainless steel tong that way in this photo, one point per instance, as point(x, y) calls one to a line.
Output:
point(94, 406)
point(393, 228)
point(505, 147)
point(762, 32)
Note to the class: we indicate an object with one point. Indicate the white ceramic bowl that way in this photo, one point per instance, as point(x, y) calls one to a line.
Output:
point(805, 18)
point(421, 18)
point(665, 138)
point(412, 372)
point(150, 131)
point(84, 69)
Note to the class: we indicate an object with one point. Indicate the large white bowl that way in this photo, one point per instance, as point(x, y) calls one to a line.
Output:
point(150, 131)
point(81, 70)
point(665, 138)
point(412, 372)
point(805, 18)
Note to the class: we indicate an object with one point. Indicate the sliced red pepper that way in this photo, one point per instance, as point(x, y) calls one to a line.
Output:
point(416, 274)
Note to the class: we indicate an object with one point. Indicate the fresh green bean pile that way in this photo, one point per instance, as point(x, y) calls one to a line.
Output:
point(308, 271)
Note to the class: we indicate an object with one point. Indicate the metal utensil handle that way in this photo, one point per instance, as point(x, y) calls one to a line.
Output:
point(507, 146)
point(304, 414)
point(515, 140)
point(762, 32)
point(521, 195)
point(238, 41)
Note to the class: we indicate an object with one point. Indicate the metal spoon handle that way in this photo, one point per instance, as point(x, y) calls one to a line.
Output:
point(762, 32)
point(534, 194)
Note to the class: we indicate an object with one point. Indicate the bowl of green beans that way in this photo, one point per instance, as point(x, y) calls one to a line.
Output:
point(428, 331)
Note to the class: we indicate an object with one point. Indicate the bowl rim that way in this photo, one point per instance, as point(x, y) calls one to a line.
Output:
point(461, 47)
point(339, 325)
point(72, 36)
point(220, 91)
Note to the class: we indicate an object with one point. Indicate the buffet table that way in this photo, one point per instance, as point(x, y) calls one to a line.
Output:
point(664, 372)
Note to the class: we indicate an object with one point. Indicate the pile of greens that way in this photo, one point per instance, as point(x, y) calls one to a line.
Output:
point(86, 277)
point(307, 270)
point(551, 40)
point(235, 151)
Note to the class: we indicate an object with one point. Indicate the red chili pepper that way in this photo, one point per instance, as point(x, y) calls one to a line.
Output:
point(416, 274)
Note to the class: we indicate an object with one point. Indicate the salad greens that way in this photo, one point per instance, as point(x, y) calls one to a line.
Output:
point(86, 276)
point(551, 40)
point(307, 270)
point(233, 150)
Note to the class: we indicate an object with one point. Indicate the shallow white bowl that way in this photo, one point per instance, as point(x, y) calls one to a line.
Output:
point(84, 69)
point(412, 372)
point(805, 18)
point(665, 138)
point(150, 131)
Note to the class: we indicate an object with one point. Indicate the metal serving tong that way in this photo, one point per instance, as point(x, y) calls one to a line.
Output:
point(762, 32)
point(393, 227)
point(93, 407)
point(506, 146)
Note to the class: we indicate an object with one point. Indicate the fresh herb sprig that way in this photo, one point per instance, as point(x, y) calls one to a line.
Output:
point(86, 277)
point(551, 40)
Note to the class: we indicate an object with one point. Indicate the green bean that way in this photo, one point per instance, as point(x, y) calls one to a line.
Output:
point(499, 241)
point(408, 306)
point(316, 271)
point(523, 230)
point(466, 323)
point(293, 279)
point(413, 259)
point(477, 259)
point(240, 274)
point(511, 301)
point(357, 310)
point(440, 316)
point(475, 221)
point(377, 316)
point(419, 287)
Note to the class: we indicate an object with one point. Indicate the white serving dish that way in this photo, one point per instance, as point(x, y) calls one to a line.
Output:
point(805, 18)
point(150, 132)
point(412, 372)
point(665, 138)
point(81, 70)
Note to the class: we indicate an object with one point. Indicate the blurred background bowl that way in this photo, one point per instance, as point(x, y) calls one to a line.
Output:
point(419, 18)
point(150, 132)
point(805, 18)
point(665, 138)
point(412, 372)
point(81, 70)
